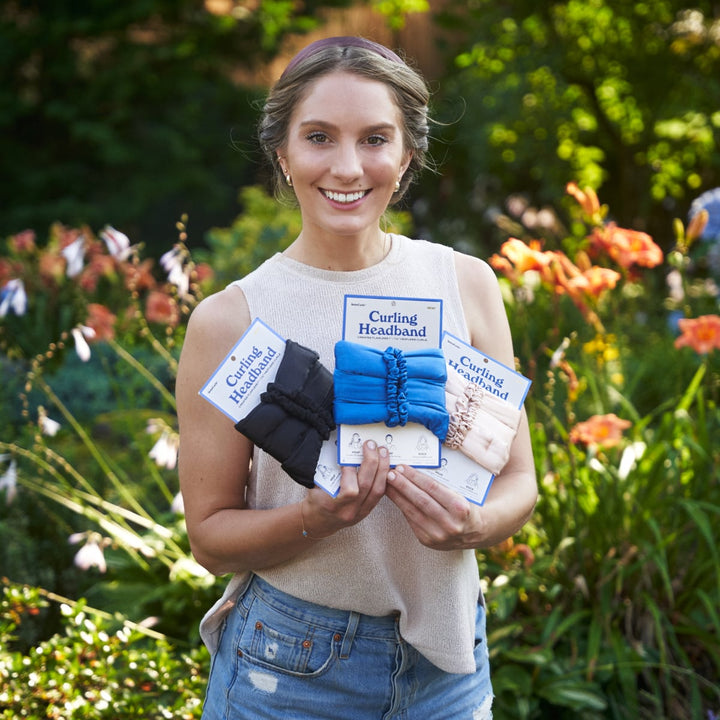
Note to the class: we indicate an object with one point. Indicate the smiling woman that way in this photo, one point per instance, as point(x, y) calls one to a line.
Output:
point(366, 604)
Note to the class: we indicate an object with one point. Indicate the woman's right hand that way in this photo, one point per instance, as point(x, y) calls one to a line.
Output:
point(360, 491)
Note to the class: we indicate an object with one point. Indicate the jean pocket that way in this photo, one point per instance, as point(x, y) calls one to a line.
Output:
point(279, 641)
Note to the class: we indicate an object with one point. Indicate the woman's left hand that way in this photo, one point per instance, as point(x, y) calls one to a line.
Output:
point(440, 518)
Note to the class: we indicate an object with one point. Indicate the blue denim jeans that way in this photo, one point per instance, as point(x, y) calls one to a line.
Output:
point(281, 658)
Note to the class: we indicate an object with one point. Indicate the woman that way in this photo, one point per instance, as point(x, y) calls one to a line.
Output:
point(367, 604)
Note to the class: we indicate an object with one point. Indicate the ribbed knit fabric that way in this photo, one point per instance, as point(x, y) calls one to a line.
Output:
point(376, 567)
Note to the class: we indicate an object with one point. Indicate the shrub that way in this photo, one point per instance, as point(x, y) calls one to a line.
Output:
point(99, 666)
point(607, 606)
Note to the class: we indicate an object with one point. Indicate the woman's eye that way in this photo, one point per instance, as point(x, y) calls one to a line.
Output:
point(317, 137)
point(376, 140)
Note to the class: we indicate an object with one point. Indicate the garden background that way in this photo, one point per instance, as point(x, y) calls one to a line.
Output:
point(577, 147)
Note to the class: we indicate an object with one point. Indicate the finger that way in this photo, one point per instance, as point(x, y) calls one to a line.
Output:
point(431, 508)
point(412, 493)
point(377, 487)
point(357, 481)
point(419, 486)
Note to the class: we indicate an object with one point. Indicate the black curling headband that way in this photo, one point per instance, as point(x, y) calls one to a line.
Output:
point(295, 414)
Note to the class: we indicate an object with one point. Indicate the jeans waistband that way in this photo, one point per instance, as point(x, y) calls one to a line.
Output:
point(349, 623)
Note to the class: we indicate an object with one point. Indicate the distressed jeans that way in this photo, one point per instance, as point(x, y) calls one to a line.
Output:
point(281, 658)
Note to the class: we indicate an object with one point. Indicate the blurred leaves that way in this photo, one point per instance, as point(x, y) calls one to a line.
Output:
point(620, 96)
point(126, 113)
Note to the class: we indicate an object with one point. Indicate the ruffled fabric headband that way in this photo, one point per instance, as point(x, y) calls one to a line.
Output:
point(482, 425)
point(342, 42)
point(295, 414)
point(391, 386)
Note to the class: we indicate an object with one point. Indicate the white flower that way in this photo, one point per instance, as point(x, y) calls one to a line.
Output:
point(48, 426)
point(91, 553)
point(82, 349)
point(154, 425)
point(8, 482)
point(171, 259)
point(172, 262)
point(13, 297)
point(559, 354)
point(118, 243)
point(630, 456)
point(181, 279)
point(178, 505)
point(675, 286)
point(596, 465)
point(74, 253)
point(164, 451)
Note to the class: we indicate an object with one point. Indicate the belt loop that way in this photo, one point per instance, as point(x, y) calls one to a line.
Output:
point(350, 631)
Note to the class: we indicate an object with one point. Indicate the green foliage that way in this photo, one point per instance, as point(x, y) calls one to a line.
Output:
point(609, 609)
point(261, 230)
point(605, 606)
point(618, 95)
point(396, 11)
point(127, 113)
point(93, 443)
point(98, 667)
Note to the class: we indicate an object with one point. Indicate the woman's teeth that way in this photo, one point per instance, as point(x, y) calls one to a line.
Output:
point(343, 197)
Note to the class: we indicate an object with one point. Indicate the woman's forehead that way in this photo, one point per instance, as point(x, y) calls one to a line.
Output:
point(345, 94)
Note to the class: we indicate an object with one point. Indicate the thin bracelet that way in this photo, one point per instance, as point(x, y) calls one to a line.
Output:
point(305, 533)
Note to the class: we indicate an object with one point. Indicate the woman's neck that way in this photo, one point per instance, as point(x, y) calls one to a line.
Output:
point(343, 254)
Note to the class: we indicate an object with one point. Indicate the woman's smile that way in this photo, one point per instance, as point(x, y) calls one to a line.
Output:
point(344, 198)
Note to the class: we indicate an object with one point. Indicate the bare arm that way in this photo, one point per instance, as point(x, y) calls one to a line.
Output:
point(441, 518)
point(214, 464)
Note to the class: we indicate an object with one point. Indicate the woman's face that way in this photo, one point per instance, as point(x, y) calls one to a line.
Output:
point(344, 153)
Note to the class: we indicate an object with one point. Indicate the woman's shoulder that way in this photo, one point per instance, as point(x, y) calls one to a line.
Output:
point(473, 269)
point(224, 314)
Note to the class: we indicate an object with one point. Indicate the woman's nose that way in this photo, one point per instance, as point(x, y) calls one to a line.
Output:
point(347, 165)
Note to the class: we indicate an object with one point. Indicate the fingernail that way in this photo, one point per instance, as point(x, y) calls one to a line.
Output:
point(371, 444)
point(383, 452)
point(400, 469)
point(391, 476)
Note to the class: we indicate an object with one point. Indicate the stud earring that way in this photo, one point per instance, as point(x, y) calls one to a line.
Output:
point(288, 179)
point(397, 185)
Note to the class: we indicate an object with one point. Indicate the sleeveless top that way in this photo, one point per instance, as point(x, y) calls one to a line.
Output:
point(376, 567)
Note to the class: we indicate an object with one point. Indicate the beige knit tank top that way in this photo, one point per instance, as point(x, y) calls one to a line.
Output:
point(376, 567)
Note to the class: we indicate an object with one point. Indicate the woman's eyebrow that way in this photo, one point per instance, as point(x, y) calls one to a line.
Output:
point(379, 127)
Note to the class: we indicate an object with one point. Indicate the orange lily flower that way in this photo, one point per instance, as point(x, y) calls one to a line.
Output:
point(697, 225)
point(587, 198)
point(525, 257)
point(702, 334)
point(602, 430)
point(599, 279)
point(627, 247)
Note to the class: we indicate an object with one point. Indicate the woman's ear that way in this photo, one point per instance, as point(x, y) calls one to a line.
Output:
point(282, 162)
point(405, 163)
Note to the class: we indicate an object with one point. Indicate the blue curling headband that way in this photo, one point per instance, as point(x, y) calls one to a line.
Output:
point(390, 386)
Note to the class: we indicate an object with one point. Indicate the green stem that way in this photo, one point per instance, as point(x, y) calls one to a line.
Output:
point(90, 445)
point(137, 365)
point(101, 613)
point(118, 514)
